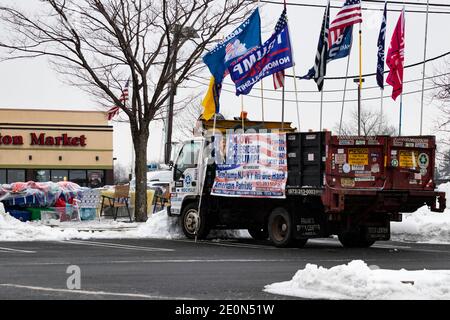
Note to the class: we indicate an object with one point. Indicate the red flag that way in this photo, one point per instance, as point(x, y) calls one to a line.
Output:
point(396, 57)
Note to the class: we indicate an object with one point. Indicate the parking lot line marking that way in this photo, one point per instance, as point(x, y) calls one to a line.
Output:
point(97, 293)
point(116, 246)
point(180, 261)
point(16, 250)
point(231, 244)
point(390, 246)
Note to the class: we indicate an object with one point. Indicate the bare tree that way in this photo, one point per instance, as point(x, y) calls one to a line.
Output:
point(98, 45)
point(372, 123)
point(442, 95)
point(185, 120)
point(121, 173)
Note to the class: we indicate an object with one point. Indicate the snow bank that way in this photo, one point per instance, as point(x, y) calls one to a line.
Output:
point(358, 281)
point(159, 225)
point(424, 225)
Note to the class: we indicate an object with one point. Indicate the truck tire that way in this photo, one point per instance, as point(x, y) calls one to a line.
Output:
point(258, 233)
point(193, 223)
point(354, 240)
point(280, 228)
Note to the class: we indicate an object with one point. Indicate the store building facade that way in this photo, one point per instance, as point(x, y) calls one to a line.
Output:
point(55, 145)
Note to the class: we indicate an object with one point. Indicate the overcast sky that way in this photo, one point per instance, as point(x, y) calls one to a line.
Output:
point(33, 84)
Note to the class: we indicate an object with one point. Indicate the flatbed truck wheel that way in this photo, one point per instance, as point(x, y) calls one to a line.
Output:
point(258, 233)
point(280, 228)
point(192, 222)
point(354, 240)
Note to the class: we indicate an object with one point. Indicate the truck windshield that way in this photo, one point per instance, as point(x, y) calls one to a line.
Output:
point(187, 158)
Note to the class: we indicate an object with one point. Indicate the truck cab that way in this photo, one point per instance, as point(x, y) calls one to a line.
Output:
point(187, 175)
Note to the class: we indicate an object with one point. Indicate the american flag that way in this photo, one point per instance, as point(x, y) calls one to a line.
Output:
point(114, 111)
point(278, 77)
point(125, 92)
point(349, 15)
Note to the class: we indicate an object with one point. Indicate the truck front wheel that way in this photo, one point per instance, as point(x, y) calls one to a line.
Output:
point(193, 222)
point(280, 228)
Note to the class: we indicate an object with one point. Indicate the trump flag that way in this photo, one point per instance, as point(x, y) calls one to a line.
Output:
point(273, 56)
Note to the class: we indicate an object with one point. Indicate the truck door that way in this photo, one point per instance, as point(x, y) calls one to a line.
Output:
point(185, 175)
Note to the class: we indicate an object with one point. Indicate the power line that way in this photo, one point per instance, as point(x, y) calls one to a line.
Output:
point(366, 9)
point(401, 3)
point(326, 91)
point(373, 74)
point(336, 101)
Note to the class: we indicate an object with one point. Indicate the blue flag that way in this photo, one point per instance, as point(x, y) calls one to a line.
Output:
point(239, 42)
point(319, 70)
point(381, 49)
point(343, 45)
point(273, 56)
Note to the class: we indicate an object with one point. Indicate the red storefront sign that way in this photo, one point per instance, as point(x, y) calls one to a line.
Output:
point(42, 139)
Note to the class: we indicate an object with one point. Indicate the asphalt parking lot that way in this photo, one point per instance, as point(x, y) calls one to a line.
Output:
point(183, 269)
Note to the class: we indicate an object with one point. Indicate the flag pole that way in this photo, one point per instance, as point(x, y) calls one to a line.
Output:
point(282, 107)
point(242, 113)
point(424, 67)
point(262, 88)
point(360, 80)
point(381, 109)
point(400, 118)
point(296, 98)
point(262, 100)
point(321, 109)
point(345, 90)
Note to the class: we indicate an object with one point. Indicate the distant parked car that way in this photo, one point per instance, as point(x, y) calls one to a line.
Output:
point(160, 178)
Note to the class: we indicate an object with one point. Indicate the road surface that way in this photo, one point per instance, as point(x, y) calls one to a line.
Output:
point(183, 269)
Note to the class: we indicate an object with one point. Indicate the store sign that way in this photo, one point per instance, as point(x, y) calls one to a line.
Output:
point(11, 140)
point(42, 139)
point(63, 140)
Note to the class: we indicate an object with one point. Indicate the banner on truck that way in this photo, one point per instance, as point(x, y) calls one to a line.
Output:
point(255, 166)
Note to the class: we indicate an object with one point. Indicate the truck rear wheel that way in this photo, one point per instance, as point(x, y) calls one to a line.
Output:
point(280, 228)
point(192, 222)
point(258, 233)
point(354, 240)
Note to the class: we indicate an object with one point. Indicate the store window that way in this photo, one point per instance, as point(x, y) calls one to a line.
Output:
point(79, 177)
point(16, 176)
point(60, 175)
point(2, 176)
point(42, 175)
point(96, 178)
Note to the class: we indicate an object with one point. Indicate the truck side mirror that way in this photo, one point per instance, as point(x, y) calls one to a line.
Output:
point(170, 164)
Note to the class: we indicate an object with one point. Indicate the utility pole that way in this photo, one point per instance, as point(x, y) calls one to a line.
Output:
point(172, 93)
point(179, 34)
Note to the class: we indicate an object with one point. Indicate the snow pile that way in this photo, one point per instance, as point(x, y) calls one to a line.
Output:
point(361, 282)
point(424, 225)
point(159, 225)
